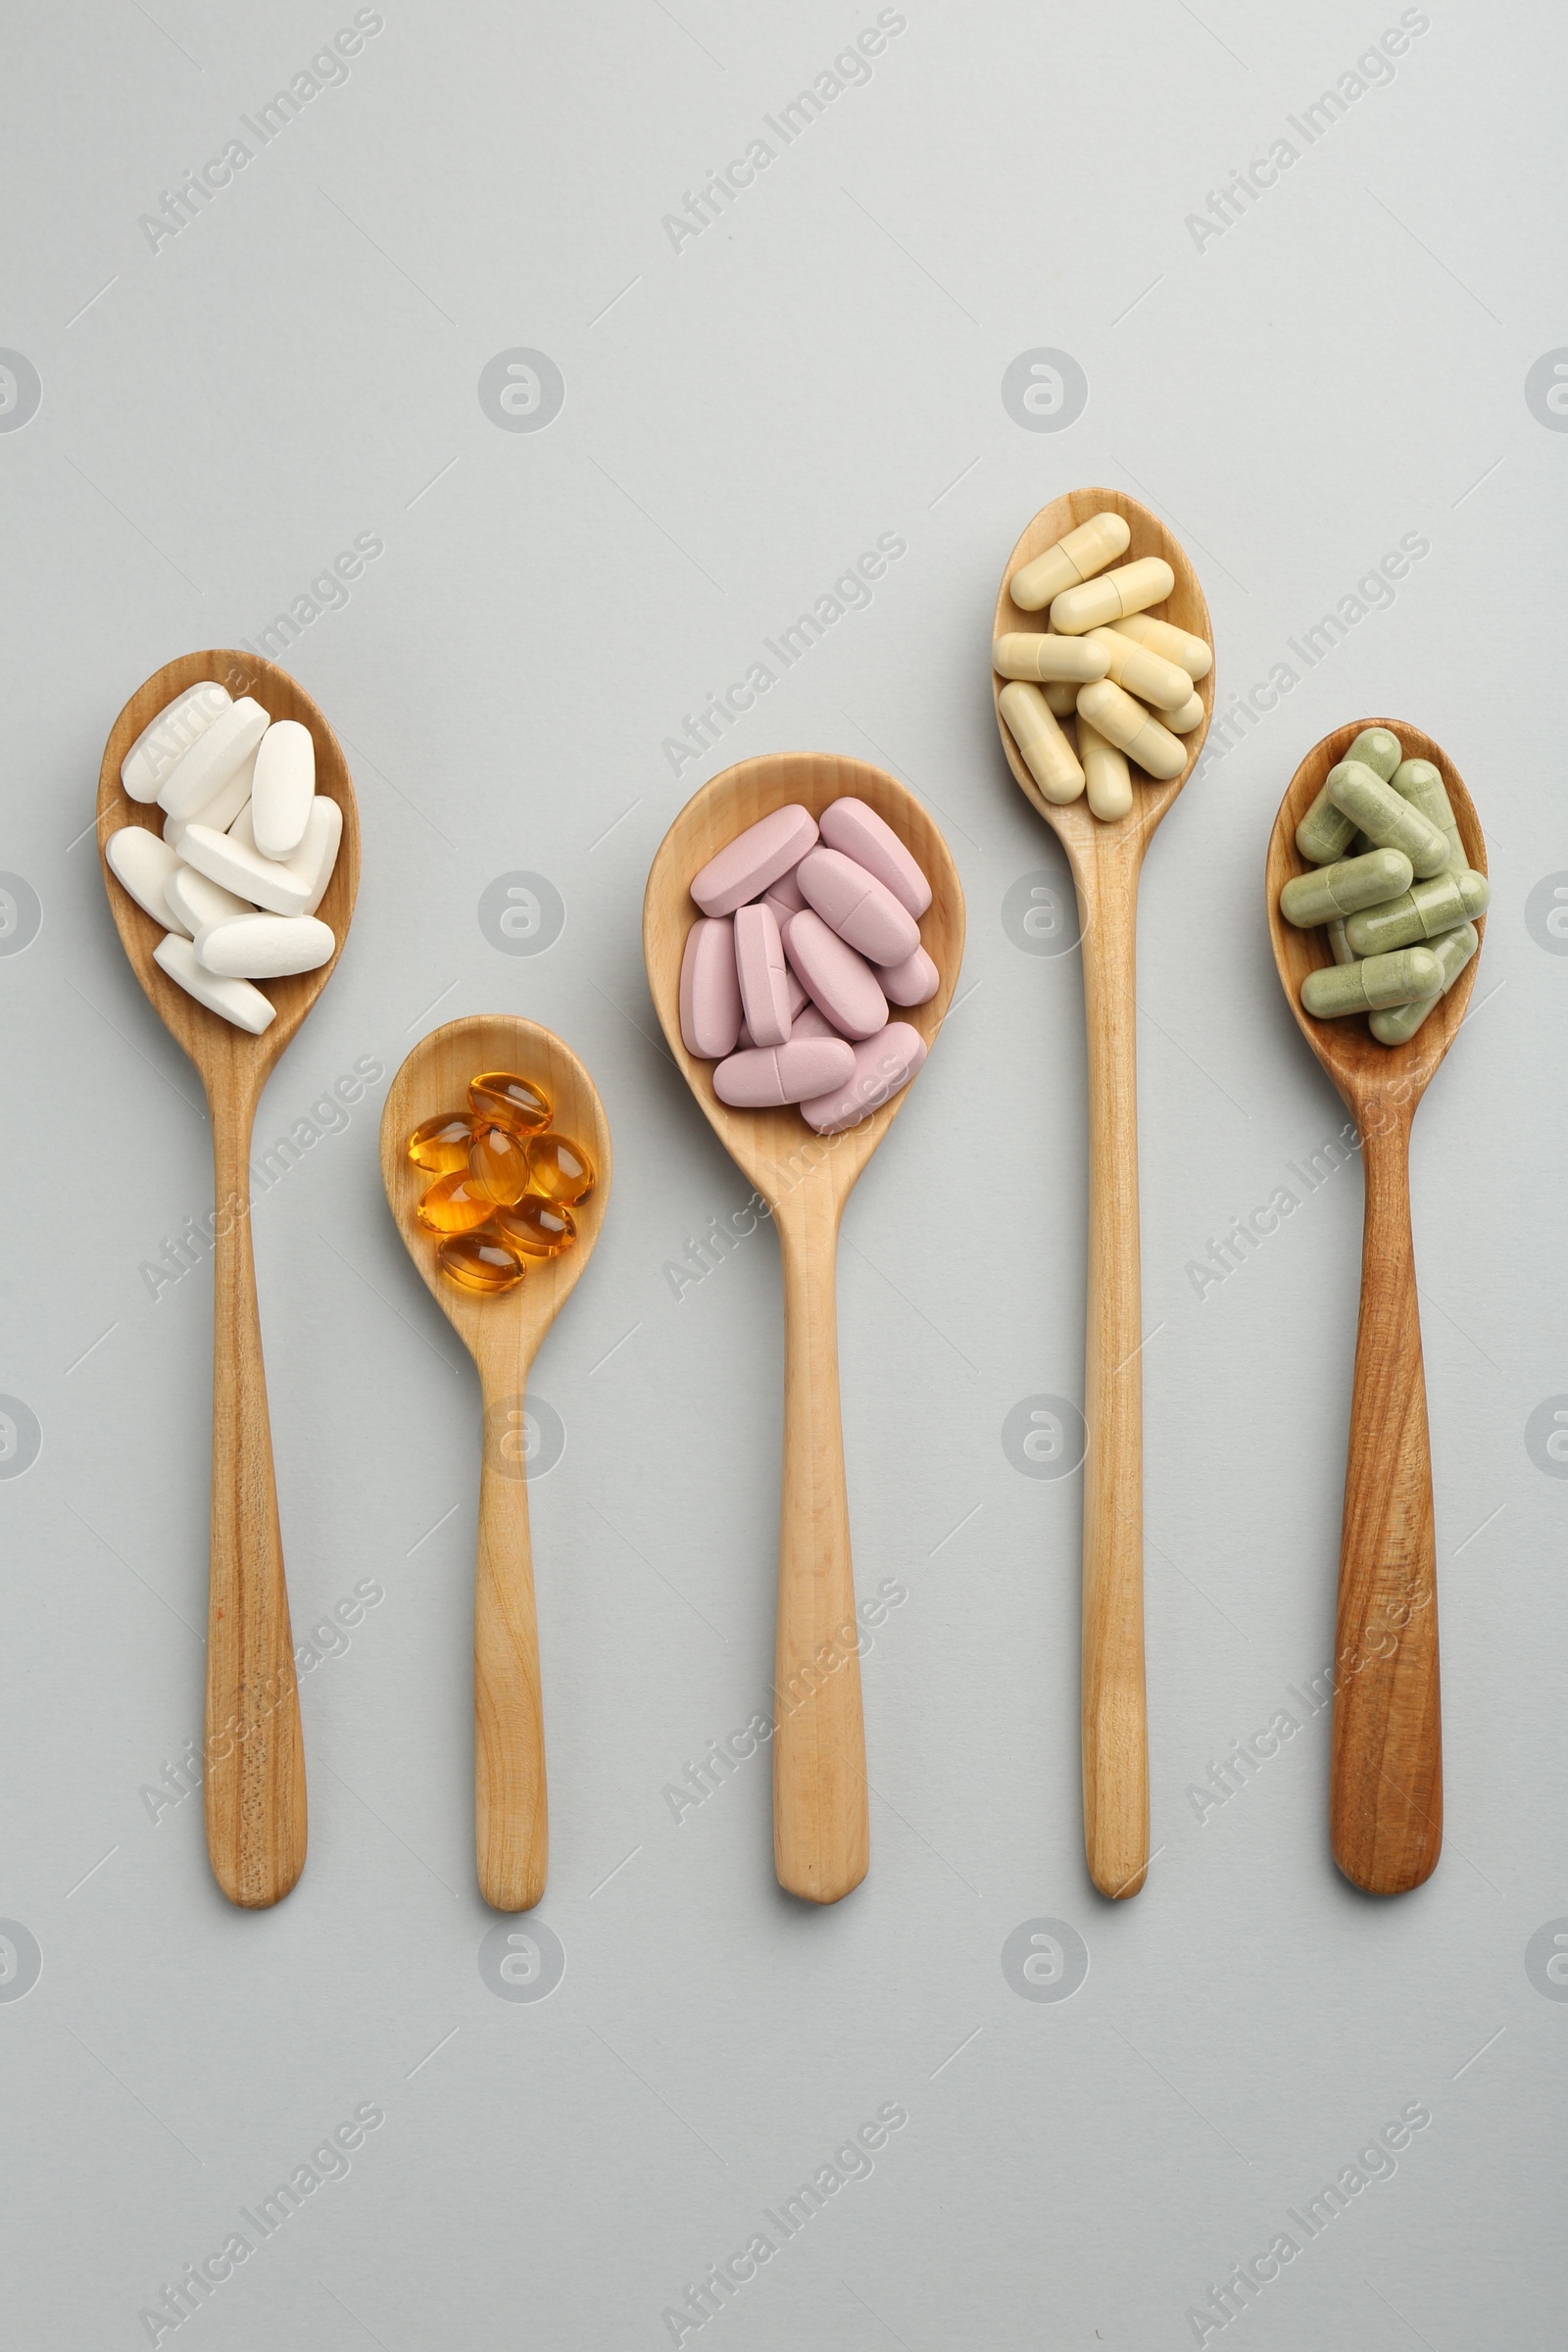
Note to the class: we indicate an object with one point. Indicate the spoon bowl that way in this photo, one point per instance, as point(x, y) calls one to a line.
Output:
point(820, 1825)
point(253, 1775)
point(503, 1334)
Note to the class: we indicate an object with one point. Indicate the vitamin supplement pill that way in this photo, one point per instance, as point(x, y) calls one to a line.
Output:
point(515, 1101)
point(197, 902)
point(264, 947)
point(710, 990)
point(1340, 889)
point(784, 897)
point(1141, 672)
point(535, 1227)
point(228, 860)
point(1114, 595)
point(857, 906)
point(212, 759)
point(765, 980)
point(813, 1022)
point(283, 788)
point(770, 1076)
point(144, 865)
point(882, 1065)
point(1421, 784)
point(836, 978)
point(914, 981)
point(851, 827)
point(1385, 818)
point(1377, 748)
point(1190, 715)
point(1111, 711)
point(454, 1205)
point(1039, 654)
point(1108, 784)
point(746, 867)
point(1189, 653)
point(221, 810)
point(1046, 754)
point(236, 999)
point(1341, 949)
point(559, 1168)
point(1062, 697)
point(441, 1144)
point(1454, 951)
point(1075, 557)
point(167, 737)
point(1425, 911)
point(498, 1163)
point(1340, 988)
point(477, 1261)
point(313, 862)
point(1324, 834)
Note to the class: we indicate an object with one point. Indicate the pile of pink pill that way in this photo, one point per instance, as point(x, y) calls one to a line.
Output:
point(809, 933)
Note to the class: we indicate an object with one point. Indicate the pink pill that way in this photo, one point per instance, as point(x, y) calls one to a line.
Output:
point(784, 897)
point(756, 859)
point(841, 982)
point(857, 906)
point(914, 981)
point(710, 990)
point(765, 980)
point(851, 827)
point(772, 1075)
point(882, 1064)
point(810, 1023)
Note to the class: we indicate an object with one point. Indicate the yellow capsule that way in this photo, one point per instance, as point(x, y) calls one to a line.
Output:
point(539, 1228)
point(477, 1261)
point(441, 1144)
point(454, 1205)
point(498, 1094)
point(559, 1168)
point(498, 1163)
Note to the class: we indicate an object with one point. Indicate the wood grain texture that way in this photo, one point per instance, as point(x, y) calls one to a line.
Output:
point(1106, 860)
point(821, 1825)
point(255, 1762)
point(503, 1334)
point(1386, 1774)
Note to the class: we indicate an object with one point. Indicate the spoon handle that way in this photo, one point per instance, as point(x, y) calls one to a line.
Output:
point(1386, 1789)
point(255, 1754)
point(511, 1815)
point(821, 1831)
point(1115, 1729)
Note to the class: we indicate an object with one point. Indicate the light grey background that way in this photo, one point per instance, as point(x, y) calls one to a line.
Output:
point(222, 412)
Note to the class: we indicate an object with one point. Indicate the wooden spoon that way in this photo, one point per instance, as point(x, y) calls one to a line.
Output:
point(1105, 861)
point(821, 1836)
point(255, 1759)
point(1386, 1774)
point(512, 1831)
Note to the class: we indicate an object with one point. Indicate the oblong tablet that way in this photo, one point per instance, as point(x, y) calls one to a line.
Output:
point(882, 1064)
point(854, 828)
point(710, 991)
point(283, 788)
point(198, 901)
point(144, 865)
point(770, 1076)
point(784, 897)
point(313, 862)
point(218, 751)
point(167, 737)
point(857, 906)
point(914, 981)
point(239, 867)
point(236, 999)
point(221, 810)
point(264, 947)
point(765, 980)
point(744, 868)
point(835, 978)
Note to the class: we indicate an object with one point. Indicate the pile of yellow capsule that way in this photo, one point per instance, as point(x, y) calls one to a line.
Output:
point(505, 1184)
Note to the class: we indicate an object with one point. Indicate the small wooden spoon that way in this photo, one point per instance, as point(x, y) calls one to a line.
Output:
point(502, 1334)
point(255, 1758)
point(1386, 1774)
point(822, 1835)
point(1106, 860)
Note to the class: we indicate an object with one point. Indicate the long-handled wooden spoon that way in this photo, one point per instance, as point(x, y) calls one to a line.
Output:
point(503, 1334)
point(1106, 860)
point(255, 1760)
point(821, 1838)
point(1386, 1774)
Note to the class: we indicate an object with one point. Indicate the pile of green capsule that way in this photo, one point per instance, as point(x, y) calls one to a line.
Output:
point(1398, 909)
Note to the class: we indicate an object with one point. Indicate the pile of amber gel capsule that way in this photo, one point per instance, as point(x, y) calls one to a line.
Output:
point(505, 1184)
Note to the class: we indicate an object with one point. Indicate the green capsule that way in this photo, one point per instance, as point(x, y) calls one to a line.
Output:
point(1454, 951)
point(1334, 890)
point(1425, 911)
point(1336, 989)
point(1343, 951)
point(1323, 834)
point(1394, 823)
point(1421, 784)
point(1377, 748)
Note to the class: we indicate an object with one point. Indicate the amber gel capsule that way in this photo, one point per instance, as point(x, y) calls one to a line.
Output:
point(498, 1094)
point(1336, 889)
point(1386, 819)
point(441, 1146)
point(538, 1228)
point(1454, 951)
point(1424, 911)
point(498, 1164)
point(1340, 988)
point(559, 1168)
point(478, 1262)
point(452, 1204)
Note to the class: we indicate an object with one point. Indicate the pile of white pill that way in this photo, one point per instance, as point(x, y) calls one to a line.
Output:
point(1124, 682)
point(810, 930)
point(1399, 911)
point(247, 848)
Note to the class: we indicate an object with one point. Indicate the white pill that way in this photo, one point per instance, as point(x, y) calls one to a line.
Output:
point(264, 947)
point(213, 757)
point(142, 864)
point(236, 999)
point(243, 870)
point(313, 862)
point(221, 810)
point(283, 788)
point(196, 901)
point(165, 737)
